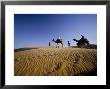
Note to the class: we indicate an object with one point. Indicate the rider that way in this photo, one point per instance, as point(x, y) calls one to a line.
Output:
point(58, 36)
point(82, 37)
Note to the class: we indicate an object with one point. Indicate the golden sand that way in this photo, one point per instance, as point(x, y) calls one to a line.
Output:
point(45, 61)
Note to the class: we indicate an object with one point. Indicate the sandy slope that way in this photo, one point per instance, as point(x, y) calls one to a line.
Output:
point(47, 61)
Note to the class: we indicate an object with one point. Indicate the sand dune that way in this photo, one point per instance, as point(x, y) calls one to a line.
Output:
point(45, 61)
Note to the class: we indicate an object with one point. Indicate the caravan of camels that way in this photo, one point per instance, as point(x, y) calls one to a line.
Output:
point(81, 42)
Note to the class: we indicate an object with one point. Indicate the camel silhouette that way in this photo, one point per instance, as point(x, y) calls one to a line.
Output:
point(82, 41)
point(58, 41)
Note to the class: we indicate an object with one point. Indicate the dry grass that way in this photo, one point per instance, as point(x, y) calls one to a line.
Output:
point(45, 61)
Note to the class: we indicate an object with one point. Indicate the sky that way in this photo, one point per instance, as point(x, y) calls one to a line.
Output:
point(32, 30)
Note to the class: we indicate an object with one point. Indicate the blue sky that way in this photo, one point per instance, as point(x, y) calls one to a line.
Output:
point(38, 29)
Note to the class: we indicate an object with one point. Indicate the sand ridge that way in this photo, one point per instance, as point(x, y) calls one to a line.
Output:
point(45, 61)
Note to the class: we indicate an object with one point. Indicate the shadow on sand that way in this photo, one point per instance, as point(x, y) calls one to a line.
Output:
point(92, 73)
point(23, 49)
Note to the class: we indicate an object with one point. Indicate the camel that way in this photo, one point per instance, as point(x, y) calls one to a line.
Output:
point(82, 41)
point(58, 41)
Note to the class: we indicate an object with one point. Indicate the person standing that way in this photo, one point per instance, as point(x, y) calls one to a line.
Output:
point(49, 43)
point(68, 44)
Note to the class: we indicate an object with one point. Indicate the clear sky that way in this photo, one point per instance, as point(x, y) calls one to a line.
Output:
point(38, 29)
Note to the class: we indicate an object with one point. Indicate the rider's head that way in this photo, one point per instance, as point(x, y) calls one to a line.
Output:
point(82, 36)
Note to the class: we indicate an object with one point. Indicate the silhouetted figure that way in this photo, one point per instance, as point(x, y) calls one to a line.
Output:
point(68, 44)
point(49, 43)
point(82, 37)
point(82, 41)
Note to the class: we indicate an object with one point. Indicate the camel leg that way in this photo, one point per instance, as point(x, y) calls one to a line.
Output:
point(57, 45)
point(62, 45)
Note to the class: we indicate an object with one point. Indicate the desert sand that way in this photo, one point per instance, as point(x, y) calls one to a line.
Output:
point(51, 61)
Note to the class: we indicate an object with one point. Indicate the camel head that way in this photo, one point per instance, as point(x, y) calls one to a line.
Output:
point(75, 40)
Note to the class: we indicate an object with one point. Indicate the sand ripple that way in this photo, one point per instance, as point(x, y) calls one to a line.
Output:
point(55, 62)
